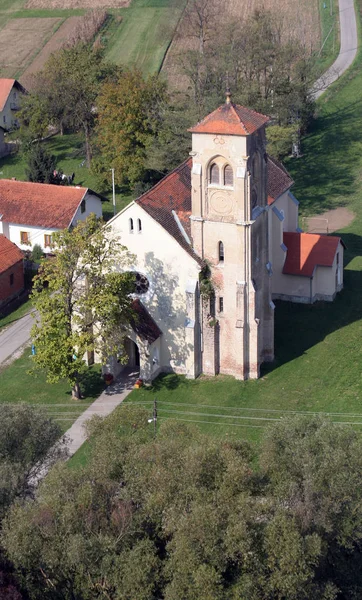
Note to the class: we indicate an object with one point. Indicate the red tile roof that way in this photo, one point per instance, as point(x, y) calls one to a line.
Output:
point(143, 324)
point(39, 204)
point(172, 193)
point(306, 251)
point(6, 85)
point(9, 254)
point(279, 180)
point(231, 119)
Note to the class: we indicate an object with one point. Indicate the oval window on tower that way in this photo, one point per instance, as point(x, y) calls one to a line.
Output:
point(214, 174)
point(228, 176)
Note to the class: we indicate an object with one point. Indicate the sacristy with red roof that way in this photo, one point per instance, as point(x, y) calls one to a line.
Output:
point(213, 244)
point(31, 212)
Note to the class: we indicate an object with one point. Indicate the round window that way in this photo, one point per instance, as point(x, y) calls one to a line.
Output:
point(141, 283)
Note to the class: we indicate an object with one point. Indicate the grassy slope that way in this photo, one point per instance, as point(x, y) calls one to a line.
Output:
point(17, 385)
point(318, 348)
point(328, 21)
point(16, 314)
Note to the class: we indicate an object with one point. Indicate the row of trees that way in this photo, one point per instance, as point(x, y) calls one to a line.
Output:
point(135, 126)
point(183, 515)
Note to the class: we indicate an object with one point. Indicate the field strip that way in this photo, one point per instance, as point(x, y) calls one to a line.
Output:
point(69, 4)
point(63, 33)
point(214, 423)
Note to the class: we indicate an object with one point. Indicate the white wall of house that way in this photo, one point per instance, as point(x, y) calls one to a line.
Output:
point(170, 271)
point(36, 235)
point(8, 116)
point(93, 204)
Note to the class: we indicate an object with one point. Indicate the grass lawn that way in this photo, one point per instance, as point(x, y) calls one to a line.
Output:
point(69, 152)
point(17, 385)
point(329, 34)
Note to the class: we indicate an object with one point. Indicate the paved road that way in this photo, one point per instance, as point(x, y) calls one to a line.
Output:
point(15, 336)
point(348, 50)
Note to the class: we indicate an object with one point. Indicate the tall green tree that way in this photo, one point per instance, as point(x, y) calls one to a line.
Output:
point(129, 113)
point(41, 164)
point(83, 303)
point(185, 516)
point(65, 91)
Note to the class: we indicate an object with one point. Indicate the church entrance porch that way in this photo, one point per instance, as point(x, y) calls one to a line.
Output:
point(133, 353)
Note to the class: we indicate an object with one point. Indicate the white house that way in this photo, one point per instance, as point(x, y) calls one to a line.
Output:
point(31, 212)
point(10, 95)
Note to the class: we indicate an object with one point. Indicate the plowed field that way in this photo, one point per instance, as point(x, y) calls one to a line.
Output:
point(20, 40)
point(64, 32)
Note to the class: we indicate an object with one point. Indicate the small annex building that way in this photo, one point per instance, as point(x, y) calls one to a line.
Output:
point(11, 92)
point(214, 243)
point(11, 271)
point(31, 212)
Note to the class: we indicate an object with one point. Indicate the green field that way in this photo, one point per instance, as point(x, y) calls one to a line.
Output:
point(17, 385)
point(329, 23)
point(144, 34)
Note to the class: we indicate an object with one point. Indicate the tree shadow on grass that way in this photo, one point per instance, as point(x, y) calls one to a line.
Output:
point(92, 384)
point(299, 327)
point(325, 175)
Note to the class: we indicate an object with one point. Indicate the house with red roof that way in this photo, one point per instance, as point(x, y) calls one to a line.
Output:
point(30, 213)
point(11, 271)
point(213, 244)
point(11, 92)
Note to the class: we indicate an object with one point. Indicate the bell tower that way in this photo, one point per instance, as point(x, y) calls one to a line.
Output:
point(229, 226)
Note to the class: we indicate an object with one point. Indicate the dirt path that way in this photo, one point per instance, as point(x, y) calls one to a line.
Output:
point(330, 221)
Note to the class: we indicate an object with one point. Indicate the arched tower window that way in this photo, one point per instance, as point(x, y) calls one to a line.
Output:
point(228, 176)
point(214, 174)
point(131, 225)
point(139, 225)
point(221, 252)
point(254, 199)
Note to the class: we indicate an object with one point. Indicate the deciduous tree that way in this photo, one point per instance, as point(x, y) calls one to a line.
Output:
point(128, 121)
point(83, 302)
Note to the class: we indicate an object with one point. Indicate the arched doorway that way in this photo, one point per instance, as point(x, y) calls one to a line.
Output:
point(133, 353)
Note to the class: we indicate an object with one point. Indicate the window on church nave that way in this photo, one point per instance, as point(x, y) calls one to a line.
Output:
point(214, 174)
point(221, 252)
point(139, 225)
point(228, 176)
point(131, 225)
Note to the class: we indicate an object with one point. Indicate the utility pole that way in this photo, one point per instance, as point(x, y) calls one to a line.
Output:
point(154, 417)
point(114, 192)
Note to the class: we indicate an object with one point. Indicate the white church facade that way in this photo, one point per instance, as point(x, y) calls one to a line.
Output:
point(215, 242)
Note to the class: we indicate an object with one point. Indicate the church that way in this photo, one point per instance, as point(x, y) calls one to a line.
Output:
point(215, 242)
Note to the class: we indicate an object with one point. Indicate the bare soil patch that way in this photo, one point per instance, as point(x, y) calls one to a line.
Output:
point(20, 39)
point(299, 20)
point(61, 36)
point(68, 4)
point(330, 221)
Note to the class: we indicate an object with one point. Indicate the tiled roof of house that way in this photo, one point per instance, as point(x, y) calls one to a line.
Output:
point(39, 204)
point(306, 251)
point(143, 324)
point(9, 254)
point(6, 85)
point(231, 119)
point(172, 193)
point(279, 180)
